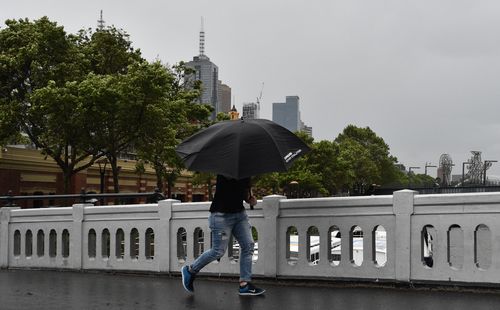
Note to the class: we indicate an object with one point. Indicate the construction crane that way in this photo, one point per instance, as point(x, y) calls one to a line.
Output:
point(260, 95)
point(259, 99)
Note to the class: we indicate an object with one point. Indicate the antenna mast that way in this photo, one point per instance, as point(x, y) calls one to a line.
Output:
point(202, 39)
point(100, 23)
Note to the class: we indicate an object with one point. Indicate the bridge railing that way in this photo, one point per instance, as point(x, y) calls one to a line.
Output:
point(402, 237)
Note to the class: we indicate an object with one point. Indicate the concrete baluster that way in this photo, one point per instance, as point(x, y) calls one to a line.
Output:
point(4, 236)
point(403, 209)
point(268, 238)
point(164, 235)
point(76, 237)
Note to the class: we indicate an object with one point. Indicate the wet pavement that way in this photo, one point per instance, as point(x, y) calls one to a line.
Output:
point(29, 289)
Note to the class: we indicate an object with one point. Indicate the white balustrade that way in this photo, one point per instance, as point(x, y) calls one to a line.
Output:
point(405, 237)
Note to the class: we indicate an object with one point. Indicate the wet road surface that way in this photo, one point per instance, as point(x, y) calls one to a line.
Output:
point(30, 289)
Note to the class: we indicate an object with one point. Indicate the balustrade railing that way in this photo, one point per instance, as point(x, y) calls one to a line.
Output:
point(403, 237)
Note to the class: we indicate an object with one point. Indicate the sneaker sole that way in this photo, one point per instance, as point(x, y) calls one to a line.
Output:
point(252, 294)
point(183, 281)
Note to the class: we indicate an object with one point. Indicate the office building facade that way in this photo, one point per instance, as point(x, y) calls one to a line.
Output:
point(224, 98)
point(251, 110)
point(208, 73)
point(287, 113)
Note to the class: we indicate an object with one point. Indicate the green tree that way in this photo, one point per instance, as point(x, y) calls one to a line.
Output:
point(303, 179)
point(176, 119)
point(323, 161)
point(221, 116)
point(118, 91)
point(40, 68)
point(363, 160)
point(124, 106)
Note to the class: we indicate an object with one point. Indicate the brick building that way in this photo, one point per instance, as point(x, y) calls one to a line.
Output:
point(26, 171)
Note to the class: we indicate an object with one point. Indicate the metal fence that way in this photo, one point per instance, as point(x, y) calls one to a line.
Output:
point(10, 200)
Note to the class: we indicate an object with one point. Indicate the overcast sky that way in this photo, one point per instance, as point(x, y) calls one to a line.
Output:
point(423, 74)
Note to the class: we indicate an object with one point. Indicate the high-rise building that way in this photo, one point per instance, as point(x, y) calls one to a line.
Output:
point(287, 113)
point(224, 98)
point(251, 110)
point(307, 129)
point(208, 73)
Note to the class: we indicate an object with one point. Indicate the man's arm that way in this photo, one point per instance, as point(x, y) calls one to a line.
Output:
point(249, 197)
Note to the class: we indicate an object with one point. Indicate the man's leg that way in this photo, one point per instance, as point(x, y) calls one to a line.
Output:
point(220, 232)
point(242, 231)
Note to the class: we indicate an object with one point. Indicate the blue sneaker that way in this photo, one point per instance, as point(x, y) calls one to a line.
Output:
point(250, 290)
point(187, 279)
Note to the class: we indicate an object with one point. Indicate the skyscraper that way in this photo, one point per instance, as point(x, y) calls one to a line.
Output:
point(208, 73)
point(287, 113)
point(224, 98)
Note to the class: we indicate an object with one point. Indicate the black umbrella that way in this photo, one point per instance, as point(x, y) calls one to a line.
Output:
point(242, 148)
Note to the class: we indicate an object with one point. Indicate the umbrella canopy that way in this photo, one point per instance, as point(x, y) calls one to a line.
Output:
point(242, 148)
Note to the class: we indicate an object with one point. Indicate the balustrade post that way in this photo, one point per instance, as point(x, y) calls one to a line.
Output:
point(268, 238)
point(76, 237)
point(163, 237)
point(4, 235)
point(403, 209)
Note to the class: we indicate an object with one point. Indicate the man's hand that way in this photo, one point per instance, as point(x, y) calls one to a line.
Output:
point(252, 201)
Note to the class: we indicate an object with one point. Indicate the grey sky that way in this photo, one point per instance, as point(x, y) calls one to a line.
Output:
point(423, 74)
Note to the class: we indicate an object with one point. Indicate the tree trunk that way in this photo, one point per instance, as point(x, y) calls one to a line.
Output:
point(116, 171)
point(67, 181)
point(159, 177)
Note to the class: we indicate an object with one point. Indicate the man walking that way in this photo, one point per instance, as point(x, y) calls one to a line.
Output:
point(228, 216)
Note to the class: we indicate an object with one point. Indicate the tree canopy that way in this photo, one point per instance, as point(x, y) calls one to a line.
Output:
point(79, 97)
point(40, 71)
point(352, 163)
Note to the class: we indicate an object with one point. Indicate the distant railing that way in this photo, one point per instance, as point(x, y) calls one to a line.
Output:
point(405, 237)
point(84, 197)
point(440, 190)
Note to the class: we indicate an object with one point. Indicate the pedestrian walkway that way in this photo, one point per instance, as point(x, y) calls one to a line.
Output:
point(25, 289)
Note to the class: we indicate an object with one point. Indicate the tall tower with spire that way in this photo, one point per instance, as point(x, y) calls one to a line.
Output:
point(208, 73)
point(202, 39)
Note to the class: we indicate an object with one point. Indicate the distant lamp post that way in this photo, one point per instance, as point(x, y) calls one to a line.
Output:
point(487, 164)
point(428, 165)
point(463, 171)
point(103, 162)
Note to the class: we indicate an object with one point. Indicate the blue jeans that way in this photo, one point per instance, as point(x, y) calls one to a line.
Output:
point(222, 226)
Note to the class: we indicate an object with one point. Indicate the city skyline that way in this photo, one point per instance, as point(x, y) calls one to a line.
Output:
point(422, 74)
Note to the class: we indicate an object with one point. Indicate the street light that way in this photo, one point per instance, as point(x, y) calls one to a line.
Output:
point(102, 171)
point(487, 164)
point(428, 166)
